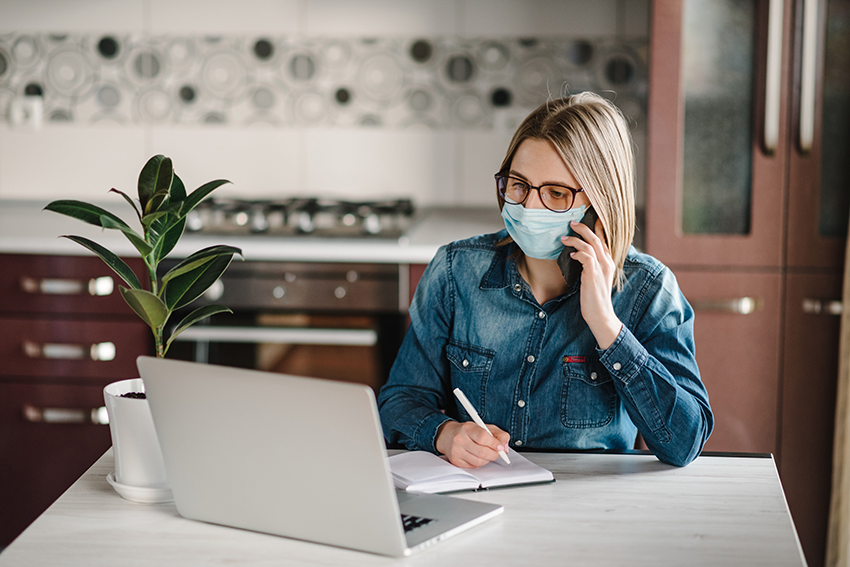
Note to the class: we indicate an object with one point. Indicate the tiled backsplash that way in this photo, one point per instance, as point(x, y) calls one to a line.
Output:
point(433, 83)
point(321, 98)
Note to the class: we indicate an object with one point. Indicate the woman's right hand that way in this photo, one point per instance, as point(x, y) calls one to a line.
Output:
point(468, 446)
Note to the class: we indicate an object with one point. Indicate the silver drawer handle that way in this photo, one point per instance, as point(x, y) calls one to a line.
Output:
point(65, 351)
point(739, 306)
point(97, 416)
point(280, 335)
point(822, 307)
point(56, 286)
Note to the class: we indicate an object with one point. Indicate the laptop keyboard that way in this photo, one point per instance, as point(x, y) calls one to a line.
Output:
point(413, 522)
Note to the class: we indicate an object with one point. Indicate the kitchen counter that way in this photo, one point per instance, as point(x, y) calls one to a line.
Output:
point(27, 229)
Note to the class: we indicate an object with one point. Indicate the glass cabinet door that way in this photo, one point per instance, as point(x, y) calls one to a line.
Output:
point(717, 85)
point(717, 132)
point(819, 197)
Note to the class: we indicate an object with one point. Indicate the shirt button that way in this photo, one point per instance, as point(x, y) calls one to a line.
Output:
point(617, 366)
point(517, 287)
point(542, 314)
point(530, 358)
point(465, 363)
point(518, 443)
point(521, 403)
point(593, 376)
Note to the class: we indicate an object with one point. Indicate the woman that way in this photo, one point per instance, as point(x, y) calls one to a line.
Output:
point(547, 366)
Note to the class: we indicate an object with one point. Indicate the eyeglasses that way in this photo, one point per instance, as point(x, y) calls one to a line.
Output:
point(515, 191)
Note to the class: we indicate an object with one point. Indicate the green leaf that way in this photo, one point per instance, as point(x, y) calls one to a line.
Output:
point(154, 182)
point(201, 192)
point(149, 218)
point(143, 247)
point(199, 258)
point(178, 190)
point(146, 305)
point(166, 243)
point(85, 212)
point(186, 288)
point(194, 317)
point(117, 264)
point(129, 200)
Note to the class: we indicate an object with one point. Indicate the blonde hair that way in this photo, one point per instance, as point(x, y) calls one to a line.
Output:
point(593, 139)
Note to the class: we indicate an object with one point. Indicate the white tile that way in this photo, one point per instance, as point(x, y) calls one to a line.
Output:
point(72, 15)
point(363, 164)
point(479, 156)
point(224, 16)
point(65, 162)
point(259, 163)
point(535, 18)
point(380, 17)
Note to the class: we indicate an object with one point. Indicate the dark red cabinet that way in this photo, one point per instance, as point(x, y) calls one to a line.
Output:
point(64, 334)
point(748, 204)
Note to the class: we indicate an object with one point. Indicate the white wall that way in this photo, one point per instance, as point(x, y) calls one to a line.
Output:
point(74, 161)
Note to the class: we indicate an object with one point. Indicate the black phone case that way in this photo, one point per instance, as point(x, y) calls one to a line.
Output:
point(570, 267)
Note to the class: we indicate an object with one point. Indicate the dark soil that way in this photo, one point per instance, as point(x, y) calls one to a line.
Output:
point(134, 395)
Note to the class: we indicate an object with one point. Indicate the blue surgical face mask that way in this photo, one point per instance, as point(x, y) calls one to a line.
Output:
point(538, 232)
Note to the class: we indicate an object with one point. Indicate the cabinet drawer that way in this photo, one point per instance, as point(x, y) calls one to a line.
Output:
point(737, 334)
point(61, 284)
point(65, 349)
point(42, 459)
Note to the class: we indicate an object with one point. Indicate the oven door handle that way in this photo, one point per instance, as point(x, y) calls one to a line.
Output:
point(280, 335)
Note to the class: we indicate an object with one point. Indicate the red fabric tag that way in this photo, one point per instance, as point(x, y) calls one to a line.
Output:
point(574, 359)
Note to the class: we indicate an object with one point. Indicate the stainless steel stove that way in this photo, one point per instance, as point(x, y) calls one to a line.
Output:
point(325, 319)
point(303, 216)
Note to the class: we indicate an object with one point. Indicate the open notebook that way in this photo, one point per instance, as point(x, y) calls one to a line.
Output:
point(420, 471)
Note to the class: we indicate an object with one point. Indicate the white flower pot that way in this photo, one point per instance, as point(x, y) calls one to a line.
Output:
point(139, 470)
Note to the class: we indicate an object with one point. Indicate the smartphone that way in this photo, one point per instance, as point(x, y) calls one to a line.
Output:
point(570, 267)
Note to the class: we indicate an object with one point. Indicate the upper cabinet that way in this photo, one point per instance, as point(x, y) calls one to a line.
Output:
point(819, 156)
point(747, 118)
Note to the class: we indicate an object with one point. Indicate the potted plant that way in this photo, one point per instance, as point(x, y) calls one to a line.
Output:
point(161, 210)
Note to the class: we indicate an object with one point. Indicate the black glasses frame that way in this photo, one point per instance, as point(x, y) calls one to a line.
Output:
point(502, 183)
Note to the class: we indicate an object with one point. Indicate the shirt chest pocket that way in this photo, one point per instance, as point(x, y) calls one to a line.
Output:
point(588, 397)
point(470, 369)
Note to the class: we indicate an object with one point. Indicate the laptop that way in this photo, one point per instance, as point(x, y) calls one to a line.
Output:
point(298, 457)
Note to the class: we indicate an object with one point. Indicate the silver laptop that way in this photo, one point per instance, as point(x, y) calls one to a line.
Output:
point(291, 456)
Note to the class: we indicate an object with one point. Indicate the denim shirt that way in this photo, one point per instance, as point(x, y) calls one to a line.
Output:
point(535, 371)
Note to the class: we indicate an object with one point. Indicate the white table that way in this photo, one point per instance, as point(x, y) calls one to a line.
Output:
point(604, 509)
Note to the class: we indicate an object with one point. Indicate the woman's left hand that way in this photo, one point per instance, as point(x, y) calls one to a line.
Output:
point(597, 282)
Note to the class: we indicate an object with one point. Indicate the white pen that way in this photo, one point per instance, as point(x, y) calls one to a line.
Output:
point(476, 418)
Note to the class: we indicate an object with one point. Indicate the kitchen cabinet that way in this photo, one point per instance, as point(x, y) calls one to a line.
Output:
point(748, 204)
point(64, 334)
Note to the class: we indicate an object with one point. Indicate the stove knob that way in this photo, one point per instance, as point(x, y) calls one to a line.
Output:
point(372, 224)
point(194, 222)
point(259, 222)
point(305, 222)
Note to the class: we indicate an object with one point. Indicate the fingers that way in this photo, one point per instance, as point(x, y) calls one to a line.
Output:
point(472, 447)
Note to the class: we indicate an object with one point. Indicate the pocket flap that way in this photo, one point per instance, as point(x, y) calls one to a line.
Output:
point(469, 358)
point(587, 369)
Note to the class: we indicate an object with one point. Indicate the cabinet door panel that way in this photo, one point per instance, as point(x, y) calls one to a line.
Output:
point(61, 284)
point(689, 178)
point(66, 350)
point(819, 172)
point(809, 378)
point(738, 354)
point(41, 460)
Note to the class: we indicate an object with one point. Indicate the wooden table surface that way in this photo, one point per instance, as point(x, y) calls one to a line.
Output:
point(604, 509)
